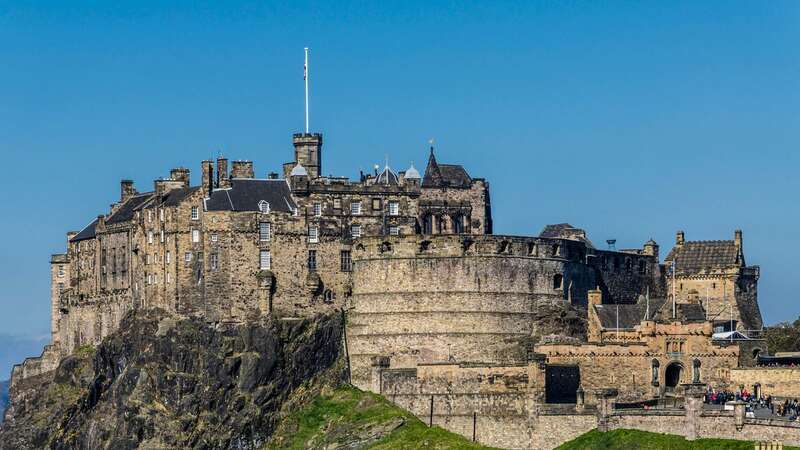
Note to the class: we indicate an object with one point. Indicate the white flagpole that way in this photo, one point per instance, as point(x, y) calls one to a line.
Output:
point(305, 78)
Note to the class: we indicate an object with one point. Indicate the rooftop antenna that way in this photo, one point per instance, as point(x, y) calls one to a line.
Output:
point(305, 78)
point(612, 244)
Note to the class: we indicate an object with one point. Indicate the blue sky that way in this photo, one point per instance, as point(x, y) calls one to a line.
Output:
point(629, 119)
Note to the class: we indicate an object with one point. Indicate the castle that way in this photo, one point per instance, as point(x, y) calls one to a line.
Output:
point(443, 317)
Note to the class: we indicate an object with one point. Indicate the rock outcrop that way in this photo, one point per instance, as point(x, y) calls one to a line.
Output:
point(164, 382)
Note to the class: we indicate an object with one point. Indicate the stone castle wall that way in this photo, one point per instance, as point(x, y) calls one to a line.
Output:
point(428, 299)
point(775, 381)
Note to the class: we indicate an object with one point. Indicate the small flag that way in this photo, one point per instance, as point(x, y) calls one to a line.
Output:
point(305, 71)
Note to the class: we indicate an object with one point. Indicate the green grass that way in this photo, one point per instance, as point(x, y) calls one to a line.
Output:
point(642, 440)
point(348, 415)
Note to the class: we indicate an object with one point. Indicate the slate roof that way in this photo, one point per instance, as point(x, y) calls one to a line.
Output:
point(565, 231)
point(127, 210)
point(631, 315)
point(445, 175)
point(555, 230)
point(698, 255)
point(245, 194)
point(86, 233)
point(175, 196)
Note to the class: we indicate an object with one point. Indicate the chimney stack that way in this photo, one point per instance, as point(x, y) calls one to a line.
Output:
point(223, 180)
point(737, 238)
point(595, 297)
point(207, 184)
point(180, 174)
point(242, 169)
point(126, 190)
point(679, 238)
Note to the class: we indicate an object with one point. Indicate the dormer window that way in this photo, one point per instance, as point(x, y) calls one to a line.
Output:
point(263, 207)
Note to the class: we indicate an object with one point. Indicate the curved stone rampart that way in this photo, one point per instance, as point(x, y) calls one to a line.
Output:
point(424, 299)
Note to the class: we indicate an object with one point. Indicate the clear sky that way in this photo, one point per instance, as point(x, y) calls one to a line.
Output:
point(629, 119)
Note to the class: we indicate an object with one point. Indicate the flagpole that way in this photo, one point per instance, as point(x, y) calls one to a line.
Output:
point(305, 78)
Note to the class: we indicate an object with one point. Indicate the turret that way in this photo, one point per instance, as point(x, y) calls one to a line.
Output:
point(651, 248)
point(308, 152)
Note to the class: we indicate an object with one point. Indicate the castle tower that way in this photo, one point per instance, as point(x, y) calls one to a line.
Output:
point(308, 152)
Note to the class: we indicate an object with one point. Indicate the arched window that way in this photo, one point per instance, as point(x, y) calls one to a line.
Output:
point(696, 371)
point(558, 281)
point(458, 224)
point(327, 296)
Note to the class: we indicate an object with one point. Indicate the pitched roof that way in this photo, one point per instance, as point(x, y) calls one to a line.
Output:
point(86, 233)
point(565, 231)
point(175, 196)
point(127, 210)
point(445, 175)
point(694, 256)
point(660, 309)
point(245, 194)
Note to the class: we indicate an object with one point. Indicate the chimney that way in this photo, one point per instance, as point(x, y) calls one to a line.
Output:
point(679, 238)
point(308, 152)
point(180, 174)
point(223, 181)
point(207, 184)
point(242, 169)
point(272, 176)
point(737, 238)
point(126, 190)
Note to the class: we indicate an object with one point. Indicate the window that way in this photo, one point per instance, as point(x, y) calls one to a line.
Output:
point(264, 231)
point(376, 204)
point(655, 365)
point(147, 259)
point(394, 208)
point(355, 208)
point(195, 213)
point(312, 260)
point(149, 279)
point(168, 258)
point(149, 215)
point(169, 278)
point(394, 230)
point(458, 224)
point(61, 271)
point(214, 237)
point(214, 261)
point(264, 260)
point(355, 231)
point(313, 234)
point(149, 237)
point(263, 206)
point(327, 296)
point(195, 235)
point(337, 203)
point(316, 209)
point(558, 281)
point(60, 289)
point(427, 224)
point(187, 257)
point(346, 261)
point(162, 235)
point(161, 214)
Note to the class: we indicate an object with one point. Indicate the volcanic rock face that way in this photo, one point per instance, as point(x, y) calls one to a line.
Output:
point(161, 382)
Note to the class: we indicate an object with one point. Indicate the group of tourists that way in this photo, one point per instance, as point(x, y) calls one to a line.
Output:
point(788, 408)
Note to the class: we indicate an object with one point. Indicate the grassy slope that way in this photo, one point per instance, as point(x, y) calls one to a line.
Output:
point(642, 440)
point(348, 415)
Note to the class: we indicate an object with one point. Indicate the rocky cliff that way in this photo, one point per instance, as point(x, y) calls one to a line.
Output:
point(162, 382)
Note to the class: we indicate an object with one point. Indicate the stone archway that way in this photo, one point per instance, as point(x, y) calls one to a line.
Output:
point(672, 375)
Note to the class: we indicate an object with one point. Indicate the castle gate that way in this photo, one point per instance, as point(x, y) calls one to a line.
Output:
point(672, 376)
point(561, 384)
